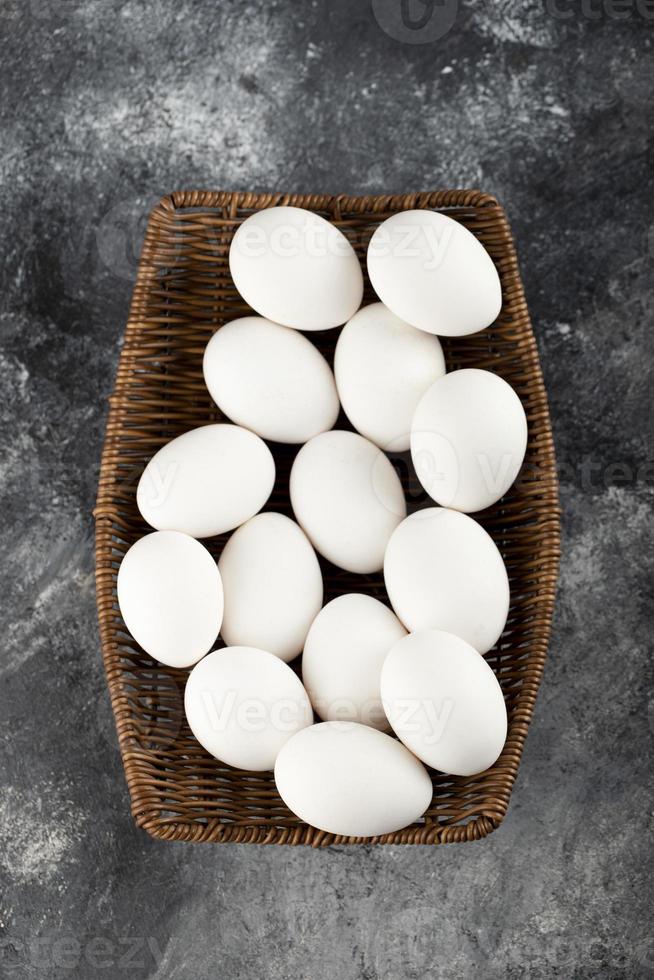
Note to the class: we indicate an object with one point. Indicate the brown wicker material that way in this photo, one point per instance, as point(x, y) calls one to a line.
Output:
point(183, 293)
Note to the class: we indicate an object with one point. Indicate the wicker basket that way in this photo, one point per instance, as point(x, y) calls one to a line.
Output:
point(183, 293)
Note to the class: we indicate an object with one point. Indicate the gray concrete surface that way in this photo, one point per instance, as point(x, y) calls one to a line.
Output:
point(107, 105)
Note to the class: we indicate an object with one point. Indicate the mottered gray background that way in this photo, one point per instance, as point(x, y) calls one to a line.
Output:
point(108, 104)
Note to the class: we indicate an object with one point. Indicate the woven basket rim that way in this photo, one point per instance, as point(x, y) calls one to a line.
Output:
point(184, 210)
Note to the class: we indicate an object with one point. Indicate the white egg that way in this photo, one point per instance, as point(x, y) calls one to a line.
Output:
point(294, 267)
point(348, 498)
point(343, 656)
point(243, 704)
point(171, 597)
point(444, 702)
point(350, 779)
point(468, 439)
point(270, 379)
point(443, 571)
point(206, 481)
point(273, 586)
point(383, 367)
point(432, 272)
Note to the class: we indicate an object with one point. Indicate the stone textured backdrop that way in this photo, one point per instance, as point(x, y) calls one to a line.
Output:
point(106, 105)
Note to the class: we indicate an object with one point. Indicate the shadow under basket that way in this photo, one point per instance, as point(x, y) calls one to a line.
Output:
point(183, 293)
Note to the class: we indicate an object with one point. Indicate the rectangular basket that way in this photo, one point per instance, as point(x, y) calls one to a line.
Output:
point(183, 293)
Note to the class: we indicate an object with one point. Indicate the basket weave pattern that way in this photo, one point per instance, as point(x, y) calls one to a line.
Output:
point(183, 293)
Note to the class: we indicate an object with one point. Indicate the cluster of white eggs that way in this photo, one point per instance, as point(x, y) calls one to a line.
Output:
point(414, 668)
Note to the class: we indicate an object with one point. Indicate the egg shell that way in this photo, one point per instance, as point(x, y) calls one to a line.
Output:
point(343, 656)
point(243, 704)
point(383, 367)
point(444, 702)
point(349, 779)
point(348, 499)
point(432, 272)
point(468, 439)
point(171, 597)
point(270, 379)
point(295, 268)
point(273, 585)
point(206, 481)
point(443, 571)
